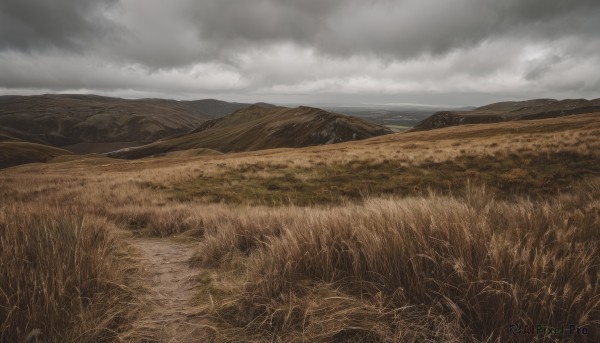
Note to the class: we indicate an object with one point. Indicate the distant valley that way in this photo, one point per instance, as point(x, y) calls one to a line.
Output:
point(396, 117)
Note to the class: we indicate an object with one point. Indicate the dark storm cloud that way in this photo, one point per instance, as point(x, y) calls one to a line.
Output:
point(542, 67)
point(349, 49)
point(262, 21)
point(150, 32)
point(401, 29)
point(541, 10)
point(28, 25)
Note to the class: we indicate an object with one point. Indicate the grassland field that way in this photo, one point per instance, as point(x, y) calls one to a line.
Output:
point(447, 235)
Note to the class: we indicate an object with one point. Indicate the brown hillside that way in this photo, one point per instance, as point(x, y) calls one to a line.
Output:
point(510, 110)
point(15, 153)
point(257, 128)
point(78, 120)
point(62, 120)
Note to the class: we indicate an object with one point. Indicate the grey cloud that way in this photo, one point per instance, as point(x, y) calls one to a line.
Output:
point(170, 34)
point(29, 25)
point(541, 10)
point(303, 47)
point(393, 29)
point(540, 67)
point(262, 21)
point(154, 33)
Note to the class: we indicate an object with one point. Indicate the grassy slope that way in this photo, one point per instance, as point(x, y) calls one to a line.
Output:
point(90, 123)
point(61, 120)
point(259, 128)
point(535, 158)
point(510, 110)
point(455, 267)
point(15, 153)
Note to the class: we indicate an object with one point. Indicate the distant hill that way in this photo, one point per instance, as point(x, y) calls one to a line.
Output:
point(82, 120)
point(510, 110)
point(257, 128)
point(217, 108)
point(393, 115)
point(15, 153)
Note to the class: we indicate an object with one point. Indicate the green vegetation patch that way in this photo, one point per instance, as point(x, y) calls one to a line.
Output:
point(334, 184)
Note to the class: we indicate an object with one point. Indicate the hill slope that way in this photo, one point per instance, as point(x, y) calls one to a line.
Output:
point(213, 108)
point(257, 128)
point(15, 153)
point(65, 120)
point(406, 247)
point(510, 110)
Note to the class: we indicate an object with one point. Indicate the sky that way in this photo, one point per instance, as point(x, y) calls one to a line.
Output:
point(346, 52)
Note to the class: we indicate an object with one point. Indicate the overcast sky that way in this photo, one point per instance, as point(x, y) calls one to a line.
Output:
point(454, 52)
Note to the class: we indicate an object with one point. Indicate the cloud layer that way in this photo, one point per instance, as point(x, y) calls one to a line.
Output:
point(453, 51)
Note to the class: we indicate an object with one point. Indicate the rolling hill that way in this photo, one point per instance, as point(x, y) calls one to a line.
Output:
point(510, 110)
point(83, 123)
point(15, 153)
point(257, 128)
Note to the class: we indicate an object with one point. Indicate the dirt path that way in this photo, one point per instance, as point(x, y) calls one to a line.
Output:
point(167, 315)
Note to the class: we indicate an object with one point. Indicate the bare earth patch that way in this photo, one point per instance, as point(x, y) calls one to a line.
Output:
point(168, 313)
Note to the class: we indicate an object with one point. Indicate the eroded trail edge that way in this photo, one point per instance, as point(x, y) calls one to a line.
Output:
point(167, 314)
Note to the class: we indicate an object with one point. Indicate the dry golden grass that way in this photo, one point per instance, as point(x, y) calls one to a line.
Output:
point(59, 276)
point(437, 268)
point(389, 253)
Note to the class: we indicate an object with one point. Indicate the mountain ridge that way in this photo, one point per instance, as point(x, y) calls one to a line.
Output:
point(64, 120)
point(257, 128)
point(508, 111)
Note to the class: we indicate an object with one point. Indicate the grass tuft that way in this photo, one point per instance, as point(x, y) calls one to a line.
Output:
point(59, 277)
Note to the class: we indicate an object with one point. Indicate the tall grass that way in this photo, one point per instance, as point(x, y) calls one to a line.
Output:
point(57, 276)
point(437, 268)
